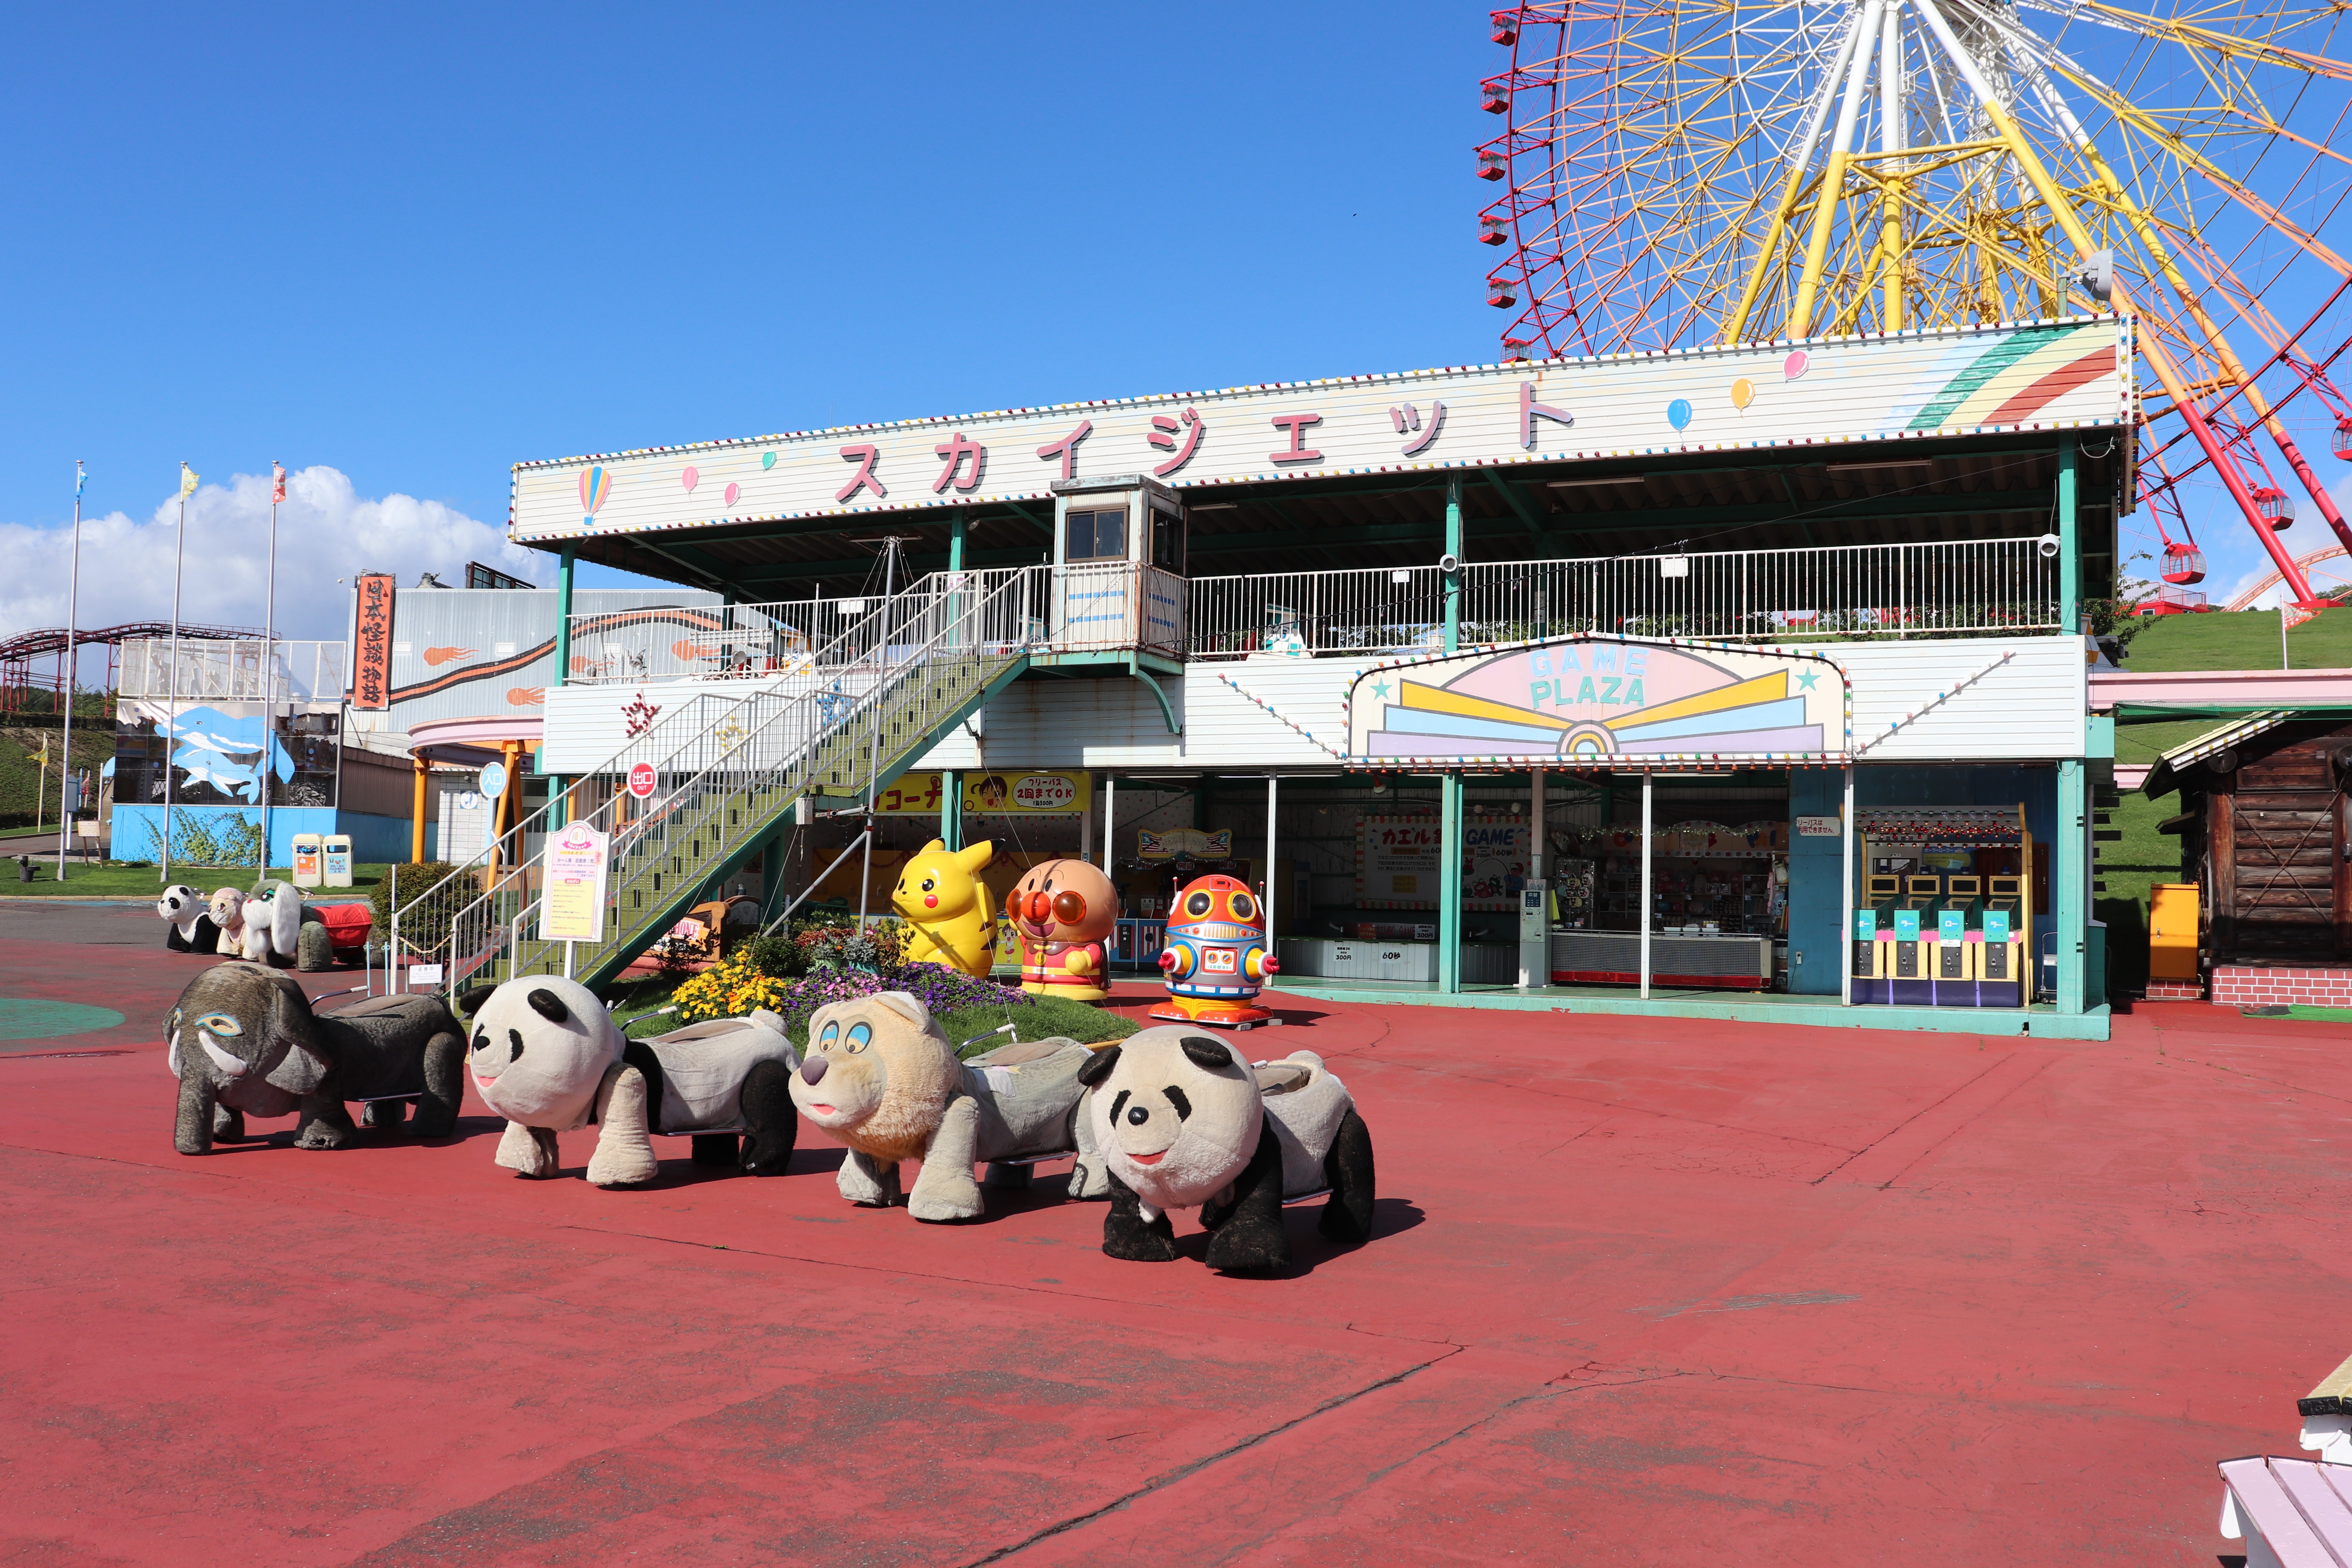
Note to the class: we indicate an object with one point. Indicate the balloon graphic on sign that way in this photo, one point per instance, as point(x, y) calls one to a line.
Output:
point(1796, 364)
point(595, 490)
point(690, 478)
point(1743, 392)
point(767, 459)
point(734, 490)
point(1678, 413)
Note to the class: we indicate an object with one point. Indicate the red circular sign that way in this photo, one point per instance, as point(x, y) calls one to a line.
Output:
point(641, 781)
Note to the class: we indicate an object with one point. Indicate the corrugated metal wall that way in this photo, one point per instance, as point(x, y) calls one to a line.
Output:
point(1977, 699)
point(462, 653)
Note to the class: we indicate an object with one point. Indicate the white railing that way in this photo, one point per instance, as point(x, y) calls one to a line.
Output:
point(1110, 605)
point(668, 642)
point(1976, 587)
point(243, 669)
point(727, 765)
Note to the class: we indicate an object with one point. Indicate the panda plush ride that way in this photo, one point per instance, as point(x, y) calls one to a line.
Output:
point(1180, 1121)
point(188, 919)
point(546, 1055)
point(243, 1039)
point(881, 1078)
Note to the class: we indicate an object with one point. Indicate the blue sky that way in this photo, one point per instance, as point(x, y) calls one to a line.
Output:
point(419, 244)
point(406, 248)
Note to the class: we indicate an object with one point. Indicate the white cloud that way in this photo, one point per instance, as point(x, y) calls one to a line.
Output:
point(325, 531)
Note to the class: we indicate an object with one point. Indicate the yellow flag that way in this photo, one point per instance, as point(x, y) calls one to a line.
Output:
point(187, 480)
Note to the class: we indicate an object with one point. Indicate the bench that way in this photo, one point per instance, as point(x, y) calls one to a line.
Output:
point(2297, 1513)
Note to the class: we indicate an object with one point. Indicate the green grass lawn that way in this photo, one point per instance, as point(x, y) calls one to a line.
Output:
point(25, 786)
point(122, 879)
point(2245, 640)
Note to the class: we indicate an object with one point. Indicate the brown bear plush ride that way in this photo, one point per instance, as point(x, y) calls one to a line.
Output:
point(1180, 1121)
point(880, 1077)
point(243, 1040)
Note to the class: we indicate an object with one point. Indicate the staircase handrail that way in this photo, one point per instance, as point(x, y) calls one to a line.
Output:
point(883, 660)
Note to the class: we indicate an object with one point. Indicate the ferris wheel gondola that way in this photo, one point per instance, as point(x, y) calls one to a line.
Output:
point(1682, 172)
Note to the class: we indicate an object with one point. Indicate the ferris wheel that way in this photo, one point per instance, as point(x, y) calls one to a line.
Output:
point(1680, 173)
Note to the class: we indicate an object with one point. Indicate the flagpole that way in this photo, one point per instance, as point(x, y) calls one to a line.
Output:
point(172, 730)
point(269, 669)
point(73, 596)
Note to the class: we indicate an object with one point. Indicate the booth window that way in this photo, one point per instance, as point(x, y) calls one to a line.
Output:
point(1167, 542)
point(1097, 535)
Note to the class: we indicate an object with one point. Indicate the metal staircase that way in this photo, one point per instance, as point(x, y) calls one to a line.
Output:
point(727, 771)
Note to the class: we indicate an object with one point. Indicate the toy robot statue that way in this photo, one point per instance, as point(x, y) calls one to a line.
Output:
point(1215, 958)
point(1063, 909)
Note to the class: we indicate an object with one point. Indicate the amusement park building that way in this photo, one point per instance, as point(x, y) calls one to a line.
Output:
point(1708, 641)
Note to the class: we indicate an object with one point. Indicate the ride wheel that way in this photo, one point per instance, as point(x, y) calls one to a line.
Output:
point(1684, 173)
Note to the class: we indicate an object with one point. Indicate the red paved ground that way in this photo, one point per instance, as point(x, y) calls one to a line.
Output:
point(1654, 1292)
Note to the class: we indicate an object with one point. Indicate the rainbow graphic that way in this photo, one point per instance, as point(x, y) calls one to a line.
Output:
point(595, 490)
point(1592, 699)
point(2013, 377)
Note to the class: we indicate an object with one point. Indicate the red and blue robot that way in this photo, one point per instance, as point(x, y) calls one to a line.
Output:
point(1216, 957)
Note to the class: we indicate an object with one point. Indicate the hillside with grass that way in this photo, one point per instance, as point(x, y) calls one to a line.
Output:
point(20, 779)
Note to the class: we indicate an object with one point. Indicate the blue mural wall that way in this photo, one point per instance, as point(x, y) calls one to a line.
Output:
point(138, 829)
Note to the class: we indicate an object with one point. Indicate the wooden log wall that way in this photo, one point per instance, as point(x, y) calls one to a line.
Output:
point(2282, 886)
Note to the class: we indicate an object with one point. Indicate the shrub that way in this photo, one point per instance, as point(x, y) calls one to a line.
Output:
point(423, 923)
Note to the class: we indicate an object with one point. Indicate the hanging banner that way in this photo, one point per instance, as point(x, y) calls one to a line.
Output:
point(910, 794)
point(1184, 844)
point(1603, 701)
point(577, 866)
point(371, 661)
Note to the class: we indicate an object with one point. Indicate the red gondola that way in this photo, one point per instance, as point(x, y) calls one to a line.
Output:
point(2182, 563)
point(2341, 442)
point(2276, 506)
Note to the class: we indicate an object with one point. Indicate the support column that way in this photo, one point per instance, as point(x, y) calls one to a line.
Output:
point(1450, 792)
point(1453, 579)
point(956, 529)
point(1845, 925)
point(1535, 830)
point(952, 808)
point(2070, 546)
point(2070, 885)
point(1649, 792)
point(1269, 895)
point(559, 794)
point(416, 815)
point(1110, 819)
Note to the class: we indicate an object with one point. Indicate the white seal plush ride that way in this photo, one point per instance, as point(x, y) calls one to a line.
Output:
point(881, 1078)
point(1180, 1121)
point(544, 1053)
point(189, 918)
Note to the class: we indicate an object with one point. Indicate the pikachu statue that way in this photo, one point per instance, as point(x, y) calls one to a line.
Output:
point(940, 894)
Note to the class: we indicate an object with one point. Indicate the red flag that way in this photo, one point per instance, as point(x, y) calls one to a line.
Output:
point(278, 481)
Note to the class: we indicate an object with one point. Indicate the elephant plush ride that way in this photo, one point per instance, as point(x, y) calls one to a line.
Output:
point(243, 1040)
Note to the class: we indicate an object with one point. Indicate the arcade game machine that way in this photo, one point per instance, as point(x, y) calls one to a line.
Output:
point(2001, 969)
point(1955, 942)
point(1914, 926)
point(1873, 940)
point(1959, 940)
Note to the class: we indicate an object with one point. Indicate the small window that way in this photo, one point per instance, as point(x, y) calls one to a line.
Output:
point(1167, 542)
point(1097, 535)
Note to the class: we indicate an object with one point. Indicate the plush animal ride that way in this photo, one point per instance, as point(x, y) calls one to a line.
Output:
point(1180, 1121)
point(189, 918)
point(1062, 910)
point(881, 1078)
point(244, 1041)
point(939, 895)
point(272, 917)
point(227, 911)
point(1216, 957)
point(545, 1055)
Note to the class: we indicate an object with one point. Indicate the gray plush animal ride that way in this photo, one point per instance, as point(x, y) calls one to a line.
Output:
point(546, 1055)
point(1180, 1121)
point(188, 921)
point(244, 1041)
point(880, 1077)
